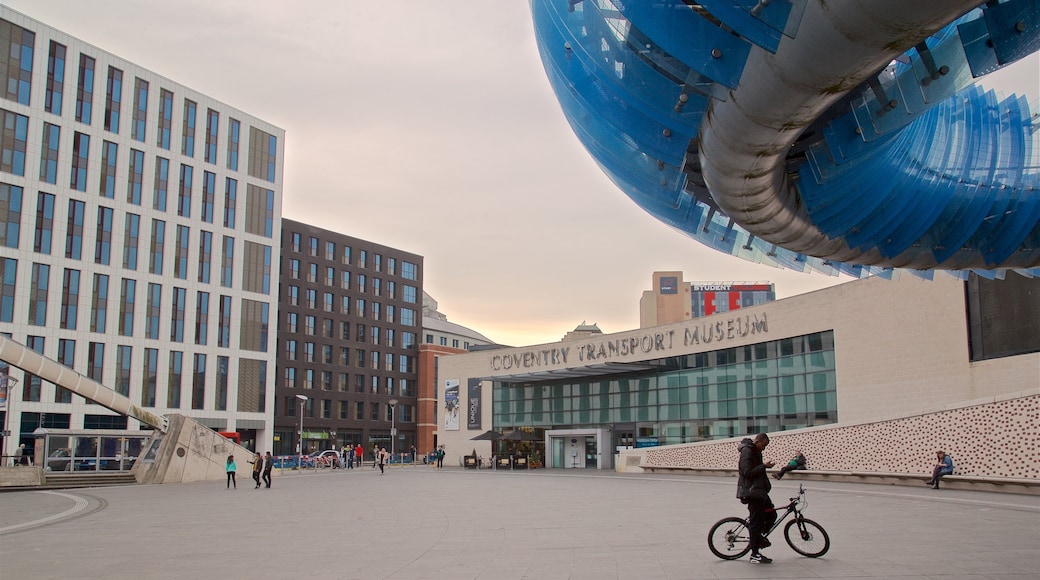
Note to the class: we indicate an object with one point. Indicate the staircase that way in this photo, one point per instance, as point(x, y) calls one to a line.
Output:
point(71, 480)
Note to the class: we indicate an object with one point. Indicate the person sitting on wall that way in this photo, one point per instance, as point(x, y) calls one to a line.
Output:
point(798, 462)
point(943, 466)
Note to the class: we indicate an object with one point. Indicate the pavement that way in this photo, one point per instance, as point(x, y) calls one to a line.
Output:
point(416, 522)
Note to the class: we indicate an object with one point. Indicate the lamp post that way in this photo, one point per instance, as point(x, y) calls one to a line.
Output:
point(299, 449)
point(393, 428)
point(7, 384)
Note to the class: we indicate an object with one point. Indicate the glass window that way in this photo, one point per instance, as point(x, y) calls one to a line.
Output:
point(55, 78)
point(85, 90)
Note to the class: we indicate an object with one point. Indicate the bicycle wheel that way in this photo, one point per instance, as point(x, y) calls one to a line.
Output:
point(808, 539)
point(729, 539)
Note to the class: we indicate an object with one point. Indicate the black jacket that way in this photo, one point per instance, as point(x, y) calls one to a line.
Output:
point(752, 480)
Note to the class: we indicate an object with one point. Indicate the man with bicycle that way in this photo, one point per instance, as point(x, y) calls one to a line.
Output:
point(753, 490)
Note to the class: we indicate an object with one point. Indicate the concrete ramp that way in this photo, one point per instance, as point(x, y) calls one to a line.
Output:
point(189, 451)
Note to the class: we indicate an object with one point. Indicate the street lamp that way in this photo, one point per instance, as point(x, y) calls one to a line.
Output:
point(7, 384)
point(393, 429)
point(299, 449)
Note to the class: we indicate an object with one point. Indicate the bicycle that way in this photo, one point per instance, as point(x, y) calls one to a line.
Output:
point(729, 538)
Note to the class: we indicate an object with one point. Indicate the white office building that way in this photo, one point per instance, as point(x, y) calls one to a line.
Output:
point(139, 233)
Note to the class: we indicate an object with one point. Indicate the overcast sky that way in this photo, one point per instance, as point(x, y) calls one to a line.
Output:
point(428, 127)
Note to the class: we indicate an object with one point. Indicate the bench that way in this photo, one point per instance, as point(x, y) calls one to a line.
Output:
point(967, 482)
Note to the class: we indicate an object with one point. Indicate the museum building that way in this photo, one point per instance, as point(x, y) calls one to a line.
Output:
point(856, 353)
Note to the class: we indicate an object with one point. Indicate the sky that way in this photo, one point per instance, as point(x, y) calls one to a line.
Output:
point(430, 127)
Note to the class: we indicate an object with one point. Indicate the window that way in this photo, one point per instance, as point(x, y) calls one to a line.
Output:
point(230, 196)
point(124, 359)
point(113, 99)
point(151, 377)
point(330, 251)
point(234, 127)
point(135, 177)
point(162, 183)
point(224, 322)
point(140, 120)
point(410, 294)
point(13, 136)
point(180, 253)
point(184, 192)
point(152, 311)
point(407, 316)
point(99, 304)
point(44, 223)
point(49, 153)
point(263, 154)
point(74, 233)
point(109, 156)
point(103, 241)
point(205, 255)
point(180, 298)
point(85, 91)
point(202, 318)
point(188, 128)
point(209, 194)
point(80, 161)
point(198, 382)
point(157, 247)
point(227, 261)
point(8, 282)
point(131, 239)
point(127, 303)
point(408, 271)
point(165, 119)
point(55, 79)
point(69, 299)
point(212, 129)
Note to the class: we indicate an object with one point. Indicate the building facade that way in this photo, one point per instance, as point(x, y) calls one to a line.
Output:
point(673, 300)
point(844, 355)
point(440, 337)
point(138, 224)
point(348, 332)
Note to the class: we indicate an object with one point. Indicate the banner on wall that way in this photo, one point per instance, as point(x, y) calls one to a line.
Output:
point(451, 405)
point(473, 405)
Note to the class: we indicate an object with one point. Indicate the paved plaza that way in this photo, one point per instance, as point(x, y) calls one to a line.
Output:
point(454, 524)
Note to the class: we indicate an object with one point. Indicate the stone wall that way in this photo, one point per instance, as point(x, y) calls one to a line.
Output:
point(996, 438)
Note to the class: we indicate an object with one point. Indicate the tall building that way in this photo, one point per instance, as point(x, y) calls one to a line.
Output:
point(673, 300)
point(137, 237)
point(348, 333)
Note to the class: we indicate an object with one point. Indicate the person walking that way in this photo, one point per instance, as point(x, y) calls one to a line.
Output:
point(440, 457)
point(348, 456)
point(268, 464)
point(382, 457)
point(359, 454)
point(753, 490)
point(18, 453)
point(231, 469)
point(258, 465)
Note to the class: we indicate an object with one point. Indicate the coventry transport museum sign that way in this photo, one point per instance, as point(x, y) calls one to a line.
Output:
point(658, 344)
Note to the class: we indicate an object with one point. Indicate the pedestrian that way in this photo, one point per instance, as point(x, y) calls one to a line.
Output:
point(753, 490)
point(344, 453)
point(268, 464)
point(382, 457)
point(413, 454)
point(440, 457)
point(231, 468)
point(943, 466)
point(18, 453)
point(258, 466)
point(798, 462)
point(359, 453)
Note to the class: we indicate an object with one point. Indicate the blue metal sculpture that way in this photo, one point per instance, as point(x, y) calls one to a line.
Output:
point(841, 137)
